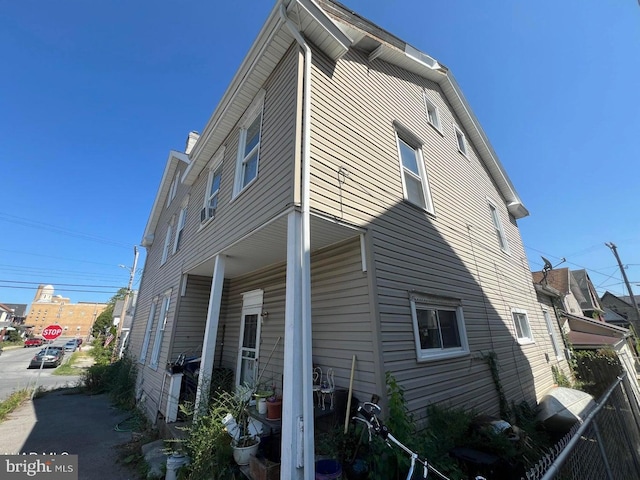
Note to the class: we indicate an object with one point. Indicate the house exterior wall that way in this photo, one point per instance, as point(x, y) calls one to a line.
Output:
point(620, 307)
point(453, 252)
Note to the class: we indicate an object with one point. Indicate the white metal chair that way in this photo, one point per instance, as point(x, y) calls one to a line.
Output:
point(327, 388)
point(317, 379)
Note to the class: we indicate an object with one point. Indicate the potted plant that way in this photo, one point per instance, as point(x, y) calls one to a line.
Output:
point(244, 434)
point(261, 394)
point(274, 407)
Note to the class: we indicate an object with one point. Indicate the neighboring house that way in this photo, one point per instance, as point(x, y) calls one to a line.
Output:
point(19, 312)
point(342, 200)
point(563, 289)
point(621, 305)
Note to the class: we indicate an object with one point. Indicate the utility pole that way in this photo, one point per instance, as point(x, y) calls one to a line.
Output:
point(636, 321)
point(132, 272)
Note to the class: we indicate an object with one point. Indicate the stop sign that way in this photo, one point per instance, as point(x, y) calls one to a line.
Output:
point(52, 332)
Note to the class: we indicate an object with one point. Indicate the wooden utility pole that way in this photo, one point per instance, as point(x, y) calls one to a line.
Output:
point(636, 321)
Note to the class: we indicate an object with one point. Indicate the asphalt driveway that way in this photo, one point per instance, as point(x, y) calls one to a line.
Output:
point(78, 424)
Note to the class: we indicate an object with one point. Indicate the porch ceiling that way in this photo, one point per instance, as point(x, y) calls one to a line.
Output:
point(267, 245)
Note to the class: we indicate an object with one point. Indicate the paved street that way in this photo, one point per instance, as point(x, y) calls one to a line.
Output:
point(77, 424)
point(16, 375)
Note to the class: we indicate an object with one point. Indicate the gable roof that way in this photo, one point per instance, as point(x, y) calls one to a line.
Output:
point(334, 29)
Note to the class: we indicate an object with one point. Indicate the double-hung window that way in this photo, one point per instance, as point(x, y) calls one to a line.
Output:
point(162, 325)
point(147, 332)
point(212, 194)
point(462, 142)
point(165, 247)
point(438, 326)
point(497, 225)
point(249, 146)
point(173, 188)
point(414, 177)
point(523, 329)
point(182, 220)
point(433, 113)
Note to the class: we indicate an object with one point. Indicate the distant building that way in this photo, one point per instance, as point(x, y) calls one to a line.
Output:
point(76, 319)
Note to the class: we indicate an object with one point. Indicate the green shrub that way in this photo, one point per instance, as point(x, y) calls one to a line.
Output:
point(117, 379)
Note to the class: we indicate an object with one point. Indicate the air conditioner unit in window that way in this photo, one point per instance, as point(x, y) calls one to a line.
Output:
point(206, 213)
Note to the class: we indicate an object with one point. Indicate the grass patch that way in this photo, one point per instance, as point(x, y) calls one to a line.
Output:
point(16, 399)
point(69, 367)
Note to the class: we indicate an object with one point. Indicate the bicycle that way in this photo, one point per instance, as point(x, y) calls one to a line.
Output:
point(369, 416)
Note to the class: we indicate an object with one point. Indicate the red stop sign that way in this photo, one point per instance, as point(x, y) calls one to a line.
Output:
point(52, 332)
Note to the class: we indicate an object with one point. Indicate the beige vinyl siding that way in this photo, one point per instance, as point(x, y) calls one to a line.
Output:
point(188, 332)
point(341, 318)
point(269, 195)
point(454, 253)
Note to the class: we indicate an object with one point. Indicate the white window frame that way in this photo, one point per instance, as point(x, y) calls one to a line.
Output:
point(407, 138)
point(253, 113)
point(208, 212)
point(147, 332)
point(182, 220)
point(433, 114)
point(552, 334)
point(461, 141)
point(523, 337)
point(167, 244)
point(497, 225)
point(430, 302)
point(173, 188)
point(160, 328)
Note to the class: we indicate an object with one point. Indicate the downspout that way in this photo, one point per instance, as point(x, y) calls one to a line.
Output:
point(307, 366)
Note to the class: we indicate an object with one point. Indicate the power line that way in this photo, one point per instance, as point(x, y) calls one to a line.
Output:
point(64, 290)
point(65, 284)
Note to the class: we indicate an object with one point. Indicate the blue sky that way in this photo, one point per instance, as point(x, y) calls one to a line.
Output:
point(93, 95)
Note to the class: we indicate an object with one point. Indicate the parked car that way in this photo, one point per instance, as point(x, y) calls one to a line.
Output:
point(33, 342)
point(52, 358)
point(71, 346)
point(51, 348)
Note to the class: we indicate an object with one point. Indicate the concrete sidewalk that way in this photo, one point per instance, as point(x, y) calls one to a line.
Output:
point(77, 424)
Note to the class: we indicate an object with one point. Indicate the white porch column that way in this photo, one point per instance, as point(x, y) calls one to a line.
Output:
point(296, 460)
point(210, 336)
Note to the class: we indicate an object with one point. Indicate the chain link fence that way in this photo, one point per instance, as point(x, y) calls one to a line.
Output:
point(606, 446)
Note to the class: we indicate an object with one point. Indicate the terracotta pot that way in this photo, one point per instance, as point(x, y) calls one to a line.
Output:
point(274, 409)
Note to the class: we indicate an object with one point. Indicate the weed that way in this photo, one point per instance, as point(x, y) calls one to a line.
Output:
point(15, 400)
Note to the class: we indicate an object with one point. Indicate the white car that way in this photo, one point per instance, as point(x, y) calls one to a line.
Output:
point(71, 346)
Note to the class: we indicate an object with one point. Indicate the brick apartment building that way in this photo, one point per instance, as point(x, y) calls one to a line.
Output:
point(76, 319)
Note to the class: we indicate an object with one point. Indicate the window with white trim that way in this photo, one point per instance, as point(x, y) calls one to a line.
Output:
point(165, 247)
point(523, 329)
point(173, 188)
point(249, 146)
point(497, 225)
point(433, 113)
point(438, 326)
point(415, 185)
point(552, 334)
point(147, 332)
point(462, 141)
point(162, 324)
point(182, 220)
point(211, 195)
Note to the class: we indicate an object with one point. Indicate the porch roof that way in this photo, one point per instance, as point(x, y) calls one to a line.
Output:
point(267, 245)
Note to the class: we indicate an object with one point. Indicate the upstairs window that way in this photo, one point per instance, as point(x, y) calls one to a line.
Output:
point(523, 329)
point(433, 114)
point(249, 146)
point(438, 325)
point(165, 248)
point(211, 195)
point(147, 332)
point(173, 188)
point(182, 220)
point(414, 178)
point(497, 225)
point(462, 142)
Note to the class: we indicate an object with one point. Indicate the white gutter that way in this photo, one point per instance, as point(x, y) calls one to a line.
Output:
point(307, 363)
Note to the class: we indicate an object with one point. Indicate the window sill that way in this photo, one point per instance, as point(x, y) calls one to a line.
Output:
point(439, 130)
point(442, 356)
point(419, 208)
point(526, 341)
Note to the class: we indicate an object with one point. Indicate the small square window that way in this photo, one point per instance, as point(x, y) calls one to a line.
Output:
point(462, 141)
point(433, 114)
point(438, 327)
point(523, 329)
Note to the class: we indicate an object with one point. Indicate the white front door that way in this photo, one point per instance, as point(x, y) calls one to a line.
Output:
point(248, 351)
